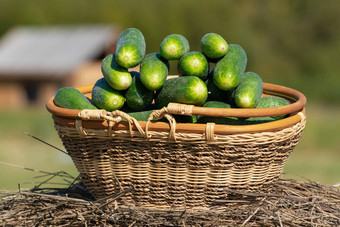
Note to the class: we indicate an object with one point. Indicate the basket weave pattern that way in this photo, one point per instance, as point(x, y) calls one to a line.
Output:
point(189, 169)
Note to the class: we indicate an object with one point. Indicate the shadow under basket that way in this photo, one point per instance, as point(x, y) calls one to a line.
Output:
point(171, 164)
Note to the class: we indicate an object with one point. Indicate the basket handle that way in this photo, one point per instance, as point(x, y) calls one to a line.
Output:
point(164, 112)
point(116, 117)
point(159, 114)
point(298, 104)
point(112, 118)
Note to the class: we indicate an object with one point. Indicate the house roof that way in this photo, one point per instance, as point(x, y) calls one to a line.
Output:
point(51, 51)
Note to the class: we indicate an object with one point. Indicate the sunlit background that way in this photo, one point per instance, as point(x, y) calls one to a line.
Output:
point(45, 45)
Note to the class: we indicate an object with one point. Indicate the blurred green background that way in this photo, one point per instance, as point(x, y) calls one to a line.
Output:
point(291, 43)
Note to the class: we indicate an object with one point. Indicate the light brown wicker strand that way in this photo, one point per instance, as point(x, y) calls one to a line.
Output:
point(158, 183)
point(159, 114)
point(209, 132)
point(232, 139)
point(116, 117)
point(79, 126)
point(111, 124)
point(92, 114)
point(177, 108)
point(176, 184)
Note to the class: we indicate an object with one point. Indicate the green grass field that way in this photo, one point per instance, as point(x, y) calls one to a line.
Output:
point(316, 157)
point(19, 149)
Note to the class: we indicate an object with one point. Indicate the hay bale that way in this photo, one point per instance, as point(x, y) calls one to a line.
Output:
point(288, 202)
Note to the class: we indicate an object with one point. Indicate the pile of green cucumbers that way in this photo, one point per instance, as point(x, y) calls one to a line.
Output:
point(138, 93)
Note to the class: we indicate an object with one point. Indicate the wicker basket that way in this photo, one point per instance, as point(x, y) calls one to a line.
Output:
point(179, 164)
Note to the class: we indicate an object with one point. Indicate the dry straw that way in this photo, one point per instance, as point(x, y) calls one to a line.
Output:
point(285, 203)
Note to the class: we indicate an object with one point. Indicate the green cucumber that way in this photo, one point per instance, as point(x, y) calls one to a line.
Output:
point(216, 104)
point(216, 94)
point(229, 70)
point(217, 120)
point(193, 64)
point(125, 108)
point(186, 90)
point(213, 46)
point(116, 76)
point(134, 73)
point(234, 121)
point(249, 91)
point(130, 48)
point(154, 71)
point(273, 101)
point(174, 46)
point(254, 120)
point(72, 98)
point(185, 119)
point(141, 115)
point(211, 73)
point(105, 97)
point(137, 96)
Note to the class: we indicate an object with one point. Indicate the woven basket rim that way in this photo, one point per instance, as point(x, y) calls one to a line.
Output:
point(296, 110)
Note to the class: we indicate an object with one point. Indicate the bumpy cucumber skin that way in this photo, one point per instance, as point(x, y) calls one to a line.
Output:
point(273, 101)
point(193, 64)
point(216, 94)
point(116, 76)
point(213, 46)
point(154, 71)
point(186, 90)
point(72, 98)
point(249, 91)
point(174, 46)
point(137, 96)
point(105, 97)
point(229, 70)
point(130, 48)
